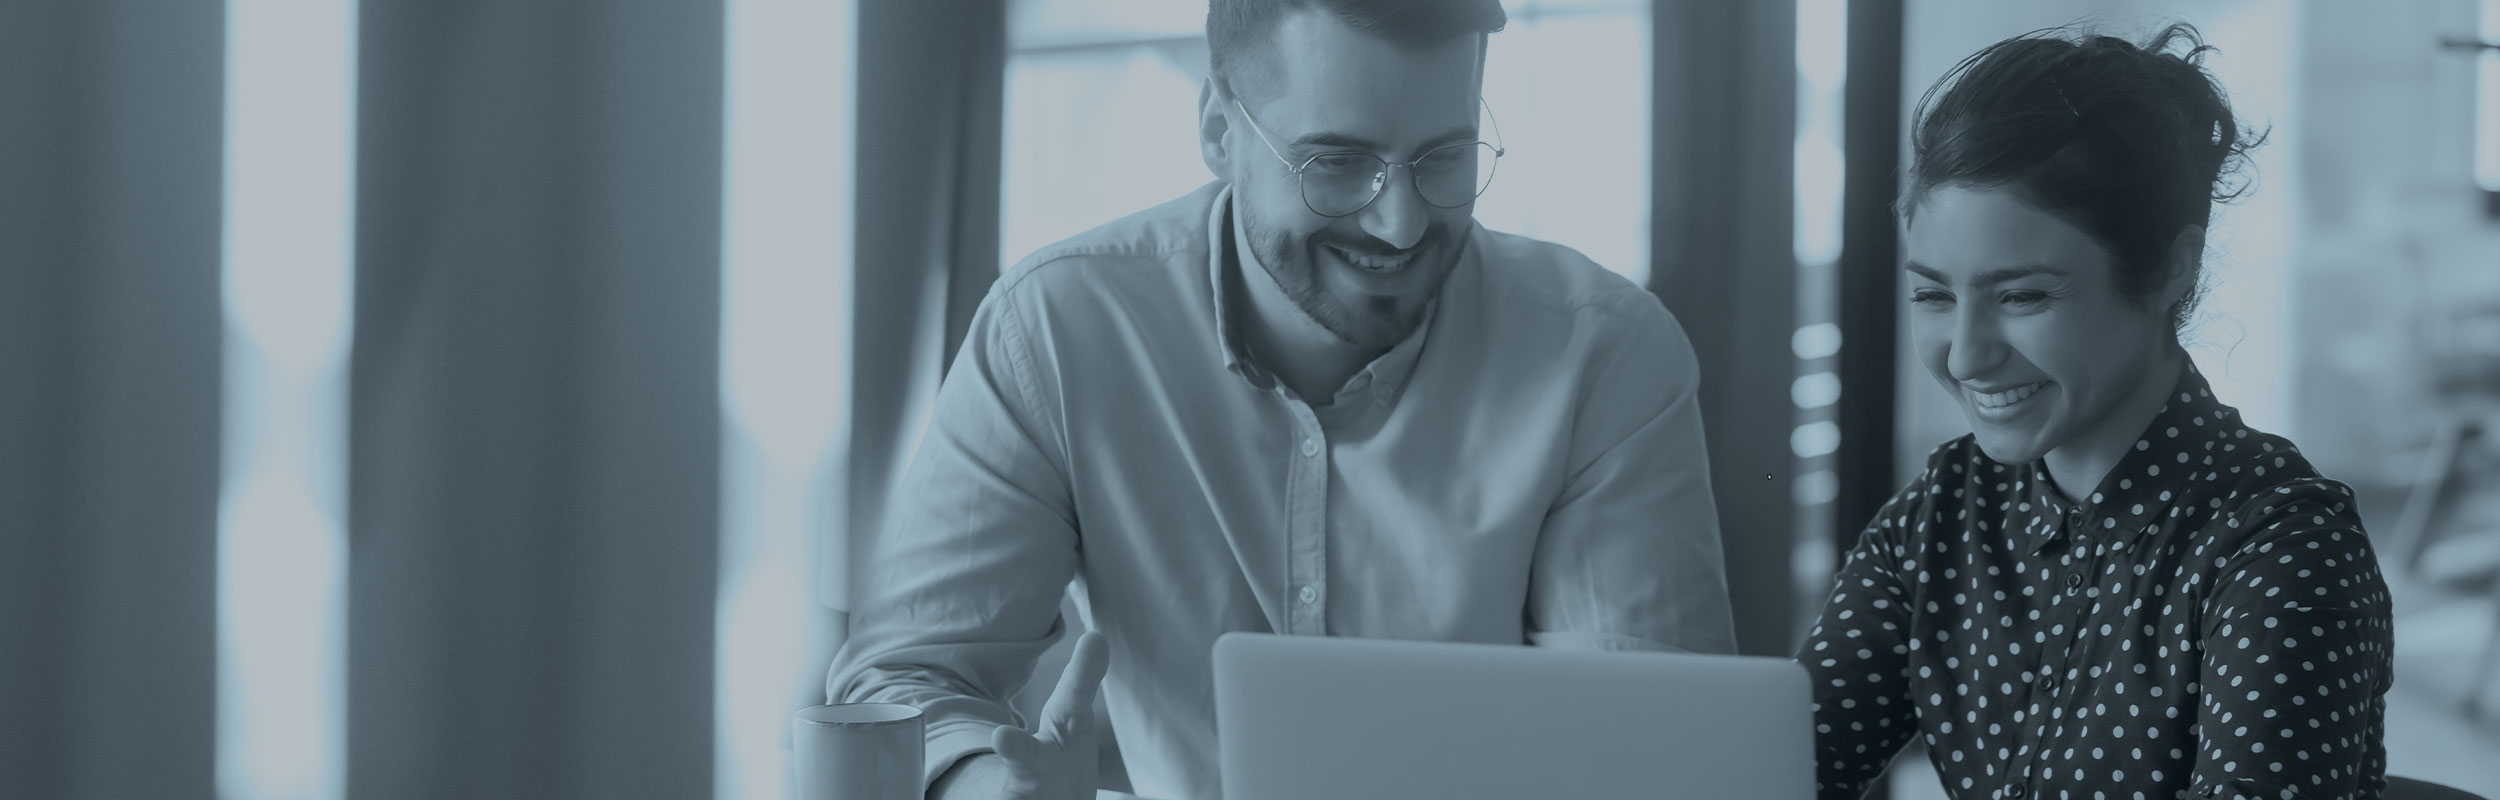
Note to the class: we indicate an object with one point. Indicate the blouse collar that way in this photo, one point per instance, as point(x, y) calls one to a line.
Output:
point(2184, 448)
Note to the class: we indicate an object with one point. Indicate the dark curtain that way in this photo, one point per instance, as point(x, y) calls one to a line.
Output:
point(932, 83)
point(111, 139)
point(1870, 271)
point(535, 422)
point(1724, 128)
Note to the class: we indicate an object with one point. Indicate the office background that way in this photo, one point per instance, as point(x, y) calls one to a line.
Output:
point(467, 398)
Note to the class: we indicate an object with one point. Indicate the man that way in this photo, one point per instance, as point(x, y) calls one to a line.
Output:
point(1312, 398)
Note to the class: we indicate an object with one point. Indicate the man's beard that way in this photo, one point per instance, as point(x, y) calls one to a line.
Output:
point(1368, 322)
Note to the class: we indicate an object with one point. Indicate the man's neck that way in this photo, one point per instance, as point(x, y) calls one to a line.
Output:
point(1284, 340)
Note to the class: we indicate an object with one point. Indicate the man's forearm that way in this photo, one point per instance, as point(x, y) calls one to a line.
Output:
point(980, 776)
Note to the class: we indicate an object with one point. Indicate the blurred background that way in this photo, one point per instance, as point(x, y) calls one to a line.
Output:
point(469, 398)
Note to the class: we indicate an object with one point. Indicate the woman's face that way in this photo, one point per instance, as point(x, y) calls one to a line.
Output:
point(2016, 314)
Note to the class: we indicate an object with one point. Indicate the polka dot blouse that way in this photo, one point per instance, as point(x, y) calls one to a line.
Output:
point(2208, 622)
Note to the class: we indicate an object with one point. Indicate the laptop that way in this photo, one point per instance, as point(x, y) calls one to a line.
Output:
point(1318, 718)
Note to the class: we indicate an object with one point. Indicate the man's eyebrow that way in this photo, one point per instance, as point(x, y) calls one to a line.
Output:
point(1325, 139)
point(1352, 142)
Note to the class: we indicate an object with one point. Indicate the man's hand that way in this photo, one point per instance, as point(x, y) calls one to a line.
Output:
point(1059, 759)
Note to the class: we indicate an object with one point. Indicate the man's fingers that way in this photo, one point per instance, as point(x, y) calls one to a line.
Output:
point(1017, 746)
point(1073, 700)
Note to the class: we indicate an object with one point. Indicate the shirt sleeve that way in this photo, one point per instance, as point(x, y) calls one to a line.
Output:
point(2297, 641)
point(1629, 556)
point(1857, 655)
point(958, 594)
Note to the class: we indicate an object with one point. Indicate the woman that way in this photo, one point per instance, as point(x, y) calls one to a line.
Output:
point(2113, 587)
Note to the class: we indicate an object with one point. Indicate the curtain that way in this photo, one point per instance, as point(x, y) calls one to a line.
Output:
point(534, 483)
point(109, 402)
point(1724, 123)
point(931, 74)
point(534, 411)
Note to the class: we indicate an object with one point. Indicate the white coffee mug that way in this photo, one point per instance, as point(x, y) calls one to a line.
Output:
point(858, 751)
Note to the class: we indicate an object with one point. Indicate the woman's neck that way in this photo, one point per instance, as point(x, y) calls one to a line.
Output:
point(2078, 466)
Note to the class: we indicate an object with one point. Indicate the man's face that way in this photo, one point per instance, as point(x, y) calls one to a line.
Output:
point(1367, 276)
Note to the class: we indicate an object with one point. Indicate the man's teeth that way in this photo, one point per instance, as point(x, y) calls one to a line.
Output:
point(1374, 263)
point(2009, 396)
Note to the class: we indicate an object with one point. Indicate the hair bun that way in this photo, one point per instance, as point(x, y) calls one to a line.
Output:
point(2132, 143)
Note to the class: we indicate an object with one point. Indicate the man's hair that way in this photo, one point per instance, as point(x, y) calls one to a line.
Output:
point(1241, 34)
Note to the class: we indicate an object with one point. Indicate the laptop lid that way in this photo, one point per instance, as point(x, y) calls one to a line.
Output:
point(1317, 718)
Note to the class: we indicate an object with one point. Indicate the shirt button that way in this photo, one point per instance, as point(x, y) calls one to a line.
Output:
point(2074, 583)
point(2048, 683)
point(1310, 447)
point(2015, 790)
point(1309, 595)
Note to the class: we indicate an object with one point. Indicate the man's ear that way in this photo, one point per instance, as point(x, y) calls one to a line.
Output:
point(2184, 265)
point(1212, 126)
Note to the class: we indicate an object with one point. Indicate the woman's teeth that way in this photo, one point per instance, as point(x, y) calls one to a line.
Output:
point(2007, 397)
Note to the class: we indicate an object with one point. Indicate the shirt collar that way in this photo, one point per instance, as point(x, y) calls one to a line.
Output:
point(2135, 495)
point(1230, 258)
point(1220, 243)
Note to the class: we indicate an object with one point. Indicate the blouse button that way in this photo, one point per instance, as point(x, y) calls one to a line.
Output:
point(2074, 583)
point(2048, 683)
point(2015, 790)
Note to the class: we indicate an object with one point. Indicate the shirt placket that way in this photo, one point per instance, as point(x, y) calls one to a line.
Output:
point(2055, 674)
point(1306, 526)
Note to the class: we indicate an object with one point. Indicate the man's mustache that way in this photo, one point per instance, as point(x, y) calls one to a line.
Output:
point(1367, 246)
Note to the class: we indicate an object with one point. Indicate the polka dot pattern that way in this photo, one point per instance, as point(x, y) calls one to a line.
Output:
point(2208, 622)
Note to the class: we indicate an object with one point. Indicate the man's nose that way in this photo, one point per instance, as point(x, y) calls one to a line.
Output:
point(1399, 215)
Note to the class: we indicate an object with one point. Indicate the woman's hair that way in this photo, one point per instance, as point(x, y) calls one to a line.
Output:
point(2130, 143)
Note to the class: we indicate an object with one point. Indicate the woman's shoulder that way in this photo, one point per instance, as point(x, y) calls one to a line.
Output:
point(2296, 542)
point(2265, 513)
point(2255, 484)
point(2259, 517)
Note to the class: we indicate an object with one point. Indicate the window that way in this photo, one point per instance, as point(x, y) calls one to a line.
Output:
point(282, 548)
point(1101, 121)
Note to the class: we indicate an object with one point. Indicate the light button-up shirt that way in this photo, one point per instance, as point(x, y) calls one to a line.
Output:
point(1527, 467)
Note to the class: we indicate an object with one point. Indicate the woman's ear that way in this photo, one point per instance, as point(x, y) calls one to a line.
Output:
point(2185, 264)
point(1212, 125)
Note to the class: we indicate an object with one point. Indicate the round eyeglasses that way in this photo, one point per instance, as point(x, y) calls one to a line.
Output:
point(1337, 184)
